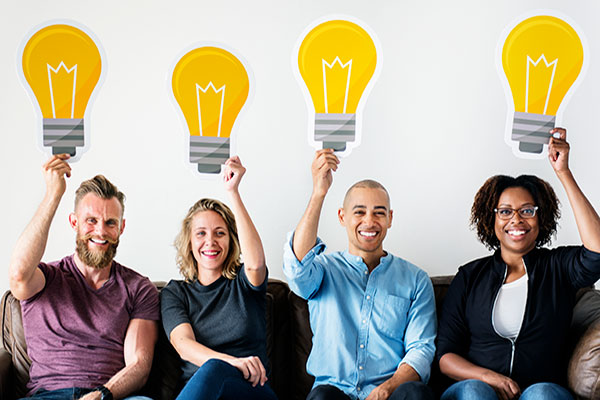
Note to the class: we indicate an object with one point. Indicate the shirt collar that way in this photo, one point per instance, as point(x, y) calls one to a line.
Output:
point(358, 263)
point(528, 260)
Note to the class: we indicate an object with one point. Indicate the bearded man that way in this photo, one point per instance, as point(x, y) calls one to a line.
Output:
point(90, 323)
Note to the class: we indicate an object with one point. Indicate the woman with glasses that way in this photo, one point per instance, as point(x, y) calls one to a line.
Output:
point(504, 324)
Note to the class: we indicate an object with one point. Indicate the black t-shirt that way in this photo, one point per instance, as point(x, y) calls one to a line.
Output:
point(227, 316)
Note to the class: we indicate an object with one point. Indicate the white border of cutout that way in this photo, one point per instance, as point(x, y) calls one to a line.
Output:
point(193, 168)
point(307, 97)
point(514, 145)
point(39, 131)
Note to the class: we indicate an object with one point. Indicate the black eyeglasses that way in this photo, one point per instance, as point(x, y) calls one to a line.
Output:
point(508, 213)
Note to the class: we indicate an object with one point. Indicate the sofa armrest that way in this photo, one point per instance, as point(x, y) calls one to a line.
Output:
point(584, 365)
point(6, 378)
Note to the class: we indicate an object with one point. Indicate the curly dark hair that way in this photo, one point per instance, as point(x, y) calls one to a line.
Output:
point(483, 216)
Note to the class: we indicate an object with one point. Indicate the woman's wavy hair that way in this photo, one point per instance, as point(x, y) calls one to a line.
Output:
point(188, 267)
point(483, 216)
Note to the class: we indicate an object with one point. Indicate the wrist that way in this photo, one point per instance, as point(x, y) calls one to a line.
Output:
point(318, 195)
point(232, 192)
point(228, 359)
point(485, 375)
point(53, 196)
point(385, 389)
point(564, 173)
point(105, 393)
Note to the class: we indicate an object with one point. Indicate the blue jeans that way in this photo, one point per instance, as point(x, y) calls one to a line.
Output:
point(216, 379)
point(406, 391)
point(69, 394)
point(473, 389)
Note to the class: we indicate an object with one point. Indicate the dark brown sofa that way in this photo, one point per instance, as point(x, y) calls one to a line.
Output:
point(289, 342)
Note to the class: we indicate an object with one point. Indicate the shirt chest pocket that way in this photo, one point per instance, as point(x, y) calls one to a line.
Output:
point(390, 315)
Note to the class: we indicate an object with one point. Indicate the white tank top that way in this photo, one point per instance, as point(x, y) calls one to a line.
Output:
point(509, 308)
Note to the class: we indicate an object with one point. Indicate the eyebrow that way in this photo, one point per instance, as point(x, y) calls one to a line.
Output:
point(376, 207)
point(110, 219)
point(510, 205)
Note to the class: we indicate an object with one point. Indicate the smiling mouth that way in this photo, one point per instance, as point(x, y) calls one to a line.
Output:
point(368, 234)
point(98, 241)
point(517, 233)
point(210, 253)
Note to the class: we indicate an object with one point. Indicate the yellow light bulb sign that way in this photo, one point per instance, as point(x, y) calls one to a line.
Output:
point(211, 86)
point(337, 60)
point(541, 57)
point(62, 66)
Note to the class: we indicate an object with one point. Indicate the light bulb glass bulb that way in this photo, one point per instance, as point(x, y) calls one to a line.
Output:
point(62, 65)
point(542, 57)
point(336, 61)
point(211, 86)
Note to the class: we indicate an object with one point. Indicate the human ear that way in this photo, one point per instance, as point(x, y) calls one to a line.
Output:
point(73, 221)
point(341, 215)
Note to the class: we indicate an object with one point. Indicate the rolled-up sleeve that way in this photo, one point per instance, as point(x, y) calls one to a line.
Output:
point(580, 265)
point(421, 329)
point(305, 276)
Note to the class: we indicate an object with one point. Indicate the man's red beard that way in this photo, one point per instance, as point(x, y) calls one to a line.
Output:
point(98, 259)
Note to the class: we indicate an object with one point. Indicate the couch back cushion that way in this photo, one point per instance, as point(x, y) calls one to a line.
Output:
point(13, 340)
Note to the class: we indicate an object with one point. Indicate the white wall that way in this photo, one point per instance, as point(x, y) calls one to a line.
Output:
point(433, 125)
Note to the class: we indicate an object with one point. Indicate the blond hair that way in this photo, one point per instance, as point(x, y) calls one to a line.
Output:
point(188, 266)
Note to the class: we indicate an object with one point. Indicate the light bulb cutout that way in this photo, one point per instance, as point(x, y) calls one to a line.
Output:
point(62, 65)
point(211, 86)
point(336, 61)
point(541, 58)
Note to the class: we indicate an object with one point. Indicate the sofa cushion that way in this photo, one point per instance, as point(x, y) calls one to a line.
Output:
point(584, 365)
point(13, 340)
point(302, 382)
point(279, 345)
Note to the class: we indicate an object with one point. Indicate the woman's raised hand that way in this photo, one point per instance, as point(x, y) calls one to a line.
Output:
point(232, 175)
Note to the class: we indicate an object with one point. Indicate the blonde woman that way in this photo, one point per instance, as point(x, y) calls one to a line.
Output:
point(215, 317)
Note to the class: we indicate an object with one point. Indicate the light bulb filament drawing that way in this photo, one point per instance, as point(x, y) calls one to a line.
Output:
point(220, 101)
point(540, 59)
point(336, 73)
point(62, 65)
point(336, 61)
point(210, 86)
point(539, 77)
point(64, 82)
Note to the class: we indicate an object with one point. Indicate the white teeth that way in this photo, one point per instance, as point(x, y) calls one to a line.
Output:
point(210, 253)
point(368, 234)
point(516, 233)
point(99, 241)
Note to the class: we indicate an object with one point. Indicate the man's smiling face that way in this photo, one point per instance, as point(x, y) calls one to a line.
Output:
point(367, 216)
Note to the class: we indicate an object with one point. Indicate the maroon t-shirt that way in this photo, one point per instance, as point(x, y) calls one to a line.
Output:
point(75, 334)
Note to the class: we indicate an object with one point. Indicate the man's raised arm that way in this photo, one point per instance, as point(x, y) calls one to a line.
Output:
point(25, 278)
point(305, 236)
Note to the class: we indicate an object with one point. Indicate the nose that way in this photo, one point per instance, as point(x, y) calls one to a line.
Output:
point(369, 218)
point(210, 237)
point(516, 217)
point(100, 230)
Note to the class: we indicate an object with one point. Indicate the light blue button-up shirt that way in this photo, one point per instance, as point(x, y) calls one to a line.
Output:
point(364, 325)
